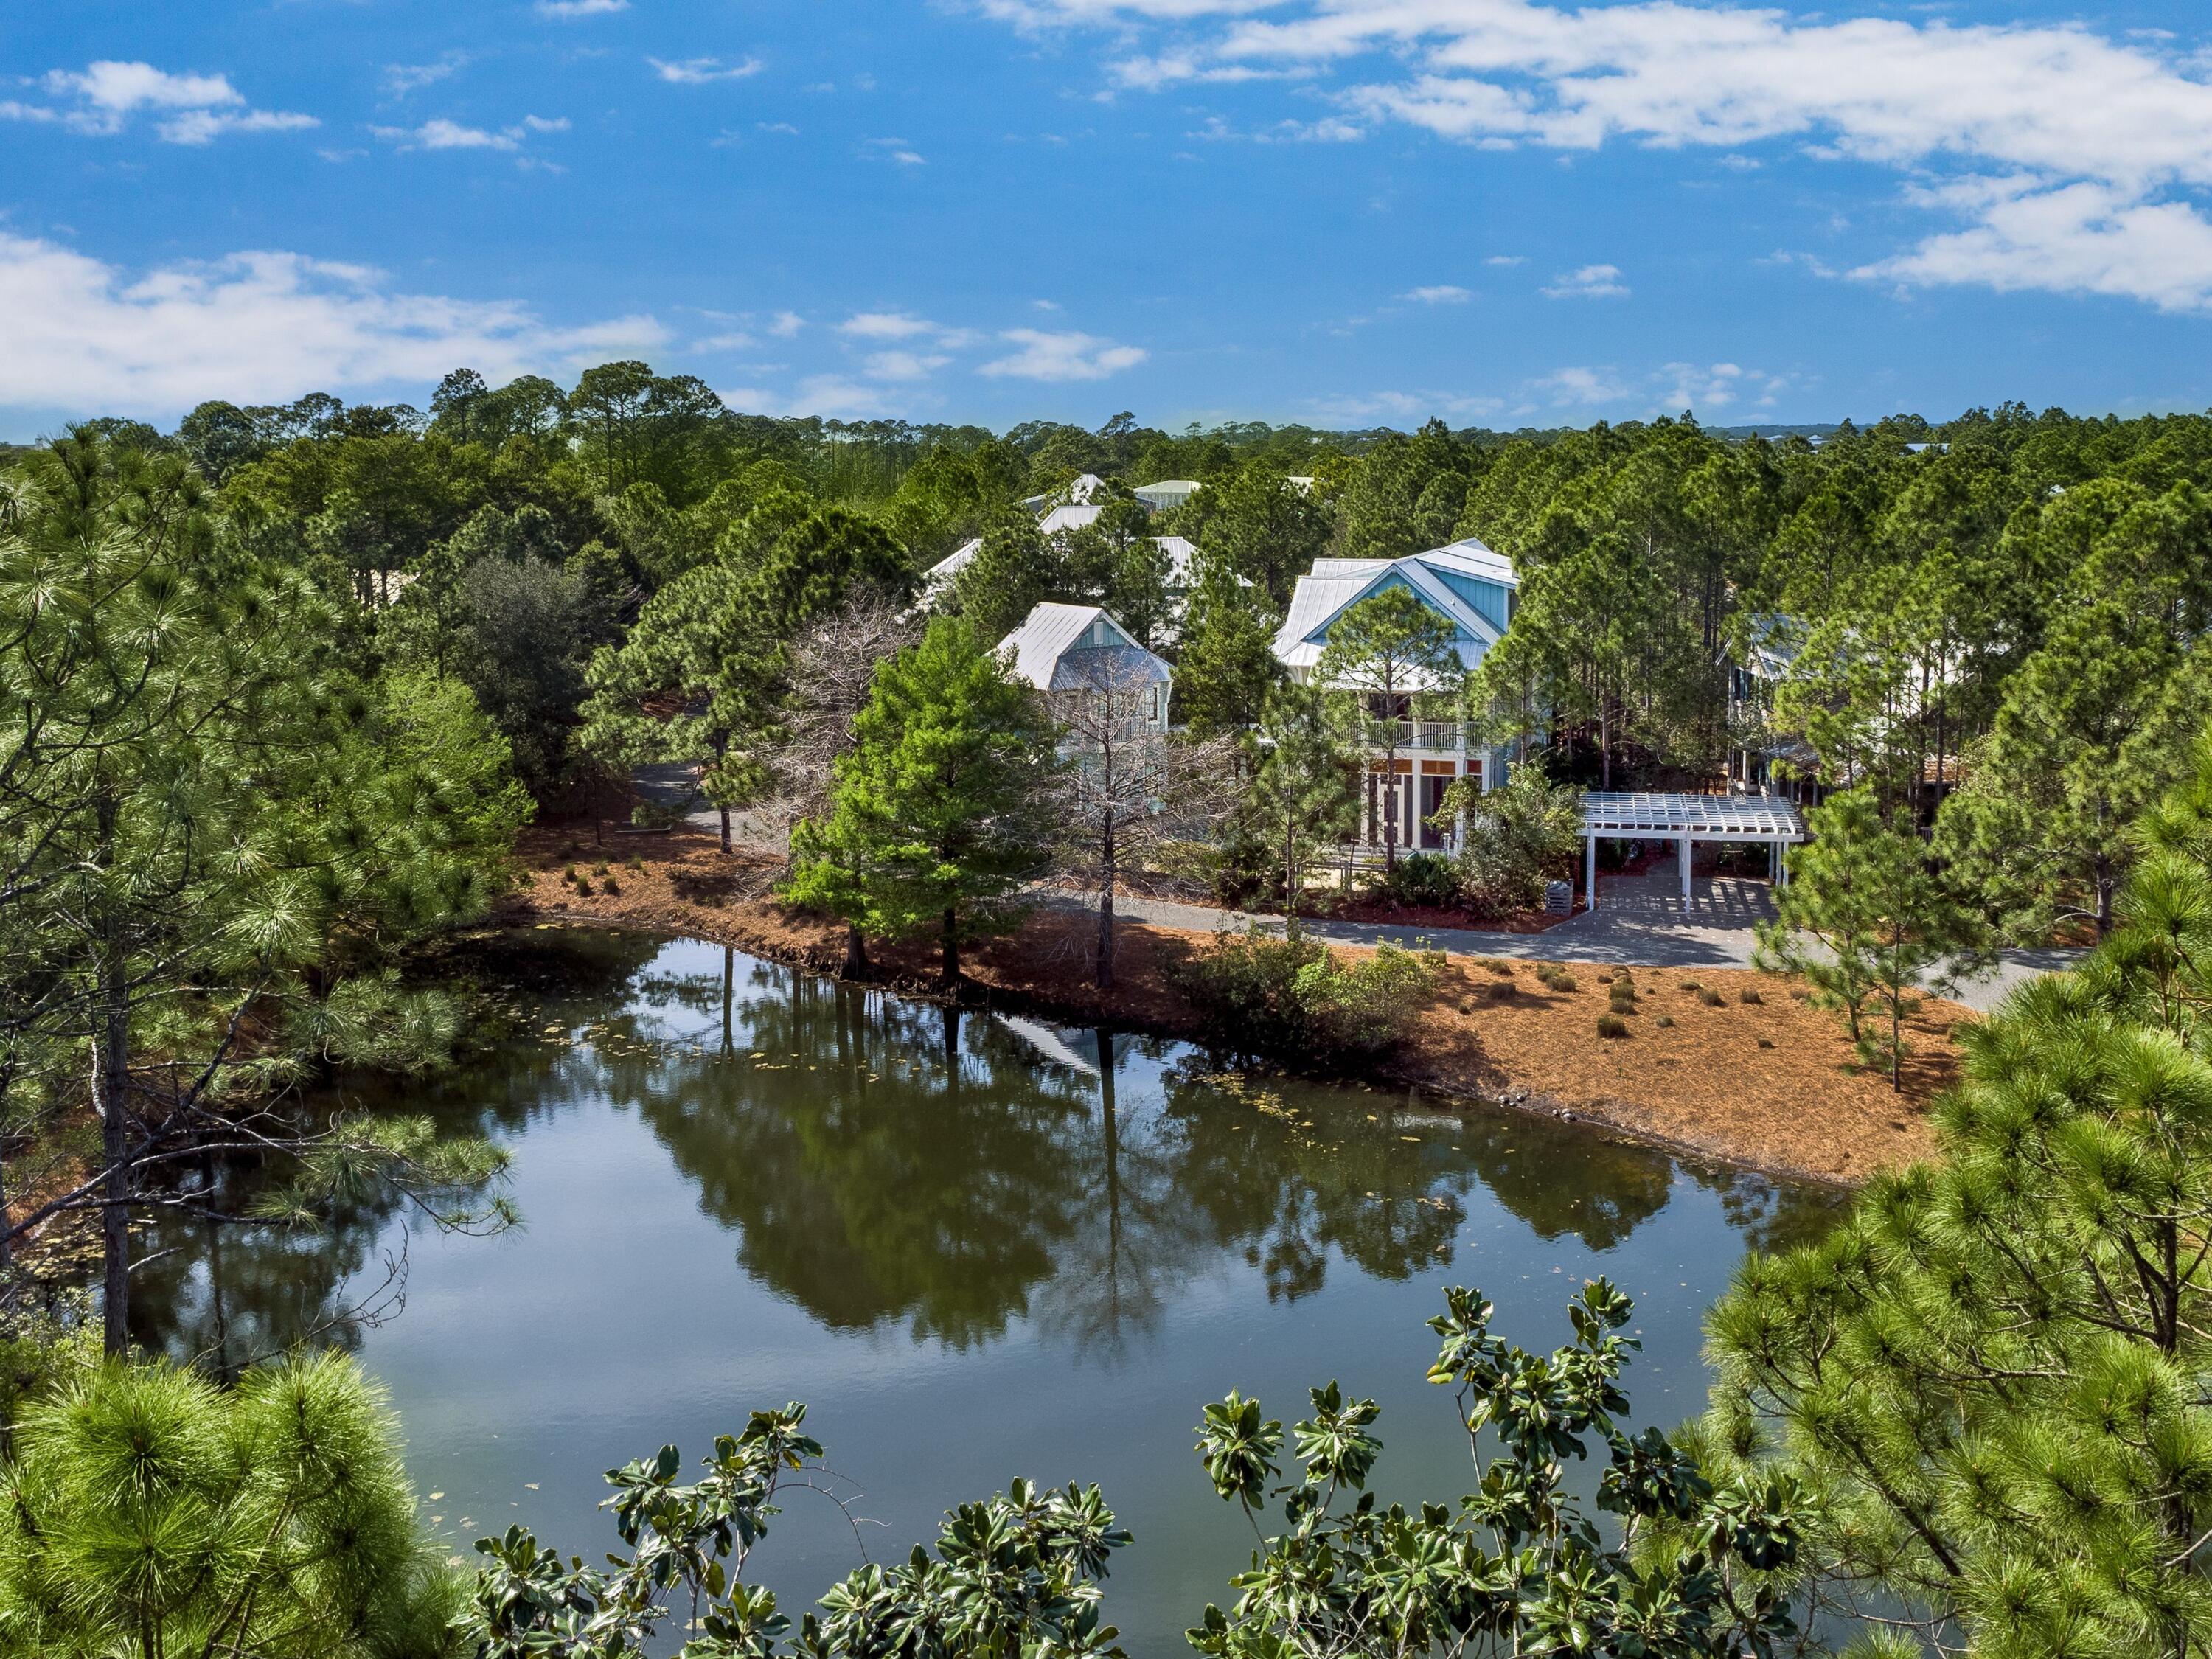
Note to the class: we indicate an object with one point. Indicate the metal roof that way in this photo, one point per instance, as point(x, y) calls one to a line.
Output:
point(1704, 818)
point(1069, 518)
point(1333, 585)
point(1047, 652)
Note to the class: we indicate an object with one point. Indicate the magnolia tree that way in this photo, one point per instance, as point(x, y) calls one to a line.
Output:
point(1515, 1567)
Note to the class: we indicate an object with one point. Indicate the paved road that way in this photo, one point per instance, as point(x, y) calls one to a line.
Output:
point(1641, 922)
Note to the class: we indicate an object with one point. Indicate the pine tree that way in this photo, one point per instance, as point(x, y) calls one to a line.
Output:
point(1990, 1377)
point(938, 816)
point(1862, 919)
point(1302, 798)
point(1386, 656)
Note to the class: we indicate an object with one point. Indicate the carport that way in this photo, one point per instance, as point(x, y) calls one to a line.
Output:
point(1686, 820)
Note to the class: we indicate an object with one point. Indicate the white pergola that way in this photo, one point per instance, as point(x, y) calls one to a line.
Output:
point(1685, 820)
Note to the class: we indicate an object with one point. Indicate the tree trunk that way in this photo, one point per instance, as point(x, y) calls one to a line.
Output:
point(111, 1080)
point(110, 1074)
point(856, 953)
point(1105, 971)
point(1289, 866)
point(952, 970)
point(726, 828)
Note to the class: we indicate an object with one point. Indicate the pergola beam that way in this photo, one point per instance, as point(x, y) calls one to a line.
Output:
point(1687, 820)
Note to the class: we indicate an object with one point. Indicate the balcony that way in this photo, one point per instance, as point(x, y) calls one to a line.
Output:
point(1436, 737)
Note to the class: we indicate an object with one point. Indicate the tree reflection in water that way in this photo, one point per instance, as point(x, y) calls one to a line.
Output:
point(886, 1163)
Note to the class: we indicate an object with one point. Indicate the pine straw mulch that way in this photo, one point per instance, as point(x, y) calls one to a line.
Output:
point(1772, 1083)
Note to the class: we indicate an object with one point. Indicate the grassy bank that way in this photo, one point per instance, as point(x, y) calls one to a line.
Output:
point(1724, 1063)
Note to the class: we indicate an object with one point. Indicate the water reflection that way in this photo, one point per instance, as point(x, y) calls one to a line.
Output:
point(885, 1163)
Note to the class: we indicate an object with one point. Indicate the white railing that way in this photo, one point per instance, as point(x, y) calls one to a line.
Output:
point(1449, 736)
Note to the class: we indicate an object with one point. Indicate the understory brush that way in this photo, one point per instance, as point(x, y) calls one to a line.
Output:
point(1290, 997)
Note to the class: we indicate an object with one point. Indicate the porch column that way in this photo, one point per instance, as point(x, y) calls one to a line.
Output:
point(1459, 818)
point(1686, 870)
point(1589, 873)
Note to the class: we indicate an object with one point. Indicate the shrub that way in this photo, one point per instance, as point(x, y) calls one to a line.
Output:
point(1612, 1026)
point(1665, 1020)
point(601, 868)
point(1291, 997)
point(1498, 965)
point(1517, 837)
point(1557, 978)
point(1622, 996)
point(636, 865)
point(1691, 985)
point(583, 887)
point(1763, 1044)
point(610, 887)
point(1502, 990)
point(1749, 995)
point(1712, 999)
point(1427, 879)
point(567, 873)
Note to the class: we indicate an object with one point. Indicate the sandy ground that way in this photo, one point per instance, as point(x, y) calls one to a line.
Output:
point(1771, 1082)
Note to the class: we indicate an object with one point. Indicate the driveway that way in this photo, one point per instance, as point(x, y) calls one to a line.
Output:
point(1641, 922)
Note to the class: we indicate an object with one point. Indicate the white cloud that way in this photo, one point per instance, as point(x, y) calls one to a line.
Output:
point(1589, 283)
point(1571, 387)
point(696, 71)
point(400, 79)
point(1507, 259)
point(2056, 106)
point(886, 326)
point(187, 109)
point(257, 327)
point(1066, 355)
point(2076, 239)
point(1439, 293)
point(439, 133)
point(832, 397)
point(787, 324)
point(904, 365)
point(569, 8)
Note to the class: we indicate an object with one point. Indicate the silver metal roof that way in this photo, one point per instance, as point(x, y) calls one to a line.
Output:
point(1705, 817)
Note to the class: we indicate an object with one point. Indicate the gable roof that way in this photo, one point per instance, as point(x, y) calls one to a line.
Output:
point(1069, 518)
point(1333, 586)
point(1047, 651)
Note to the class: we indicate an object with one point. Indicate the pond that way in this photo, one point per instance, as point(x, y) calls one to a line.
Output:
point(978, 1247)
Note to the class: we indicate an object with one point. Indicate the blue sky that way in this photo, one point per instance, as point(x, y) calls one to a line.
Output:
point(1344, 211)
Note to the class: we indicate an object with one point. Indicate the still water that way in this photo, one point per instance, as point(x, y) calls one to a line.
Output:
point(978, 1248)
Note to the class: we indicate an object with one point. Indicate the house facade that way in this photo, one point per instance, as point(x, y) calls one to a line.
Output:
point(1069, 651)
point(1473, 589)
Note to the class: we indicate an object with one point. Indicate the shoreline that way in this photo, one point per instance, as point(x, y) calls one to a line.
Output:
point(1724, 1075)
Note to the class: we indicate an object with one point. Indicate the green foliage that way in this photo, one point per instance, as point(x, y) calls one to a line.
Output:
point(1301, 799)
point(1988, 1378)
point(1420, 878)
point(1517, 838)
point(149, 1513)
point(1290, 997)
point(1015, 1574)
point(208, 816)
point(1863, 920)
point(937, 816)
point(1516, 1566)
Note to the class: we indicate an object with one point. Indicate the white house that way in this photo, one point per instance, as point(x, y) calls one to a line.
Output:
point(1472, 588)
point(1070, 648)
point(1167, 493)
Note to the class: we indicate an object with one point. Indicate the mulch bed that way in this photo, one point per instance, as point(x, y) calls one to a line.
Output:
point(1770, 1082)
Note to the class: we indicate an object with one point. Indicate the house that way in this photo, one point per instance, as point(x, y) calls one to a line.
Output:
point(1067, 650)
point(938, 581)
point(1168, 492)
point(1472, 588)
point(1078, 493)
